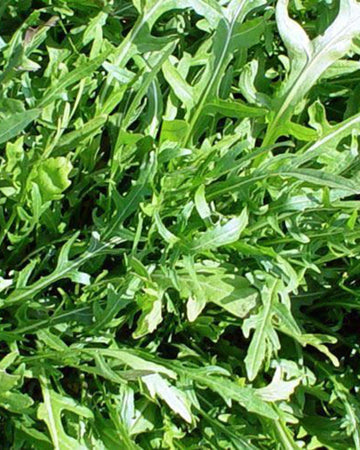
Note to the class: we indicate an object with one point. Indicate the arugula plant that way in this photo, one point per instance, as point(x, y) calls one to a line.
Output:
point(179, 230)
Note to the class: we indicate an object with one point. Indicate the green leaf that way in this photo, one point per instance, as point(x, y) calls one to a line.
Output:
point(296, 40)
point(15, 402)
point(90, 129)
point(126, 206)
point(278, 389)
point(51, 410)
point(151, 316)
point(115, 302)
point(128, 358)
point(329, 139)
point(229, 37)
point(221, 234)
point(235, 109)
point(175, 398)
point(201, 204)
point(52, 177)
point(13, 125)
point(322, 179)
point(309, 60)
point(228, 291)
point(84, 70)
point(174, 273)
point(181, 89)
point(173, 130)
point(230, 390)
point(8, 381)
point(264, 339)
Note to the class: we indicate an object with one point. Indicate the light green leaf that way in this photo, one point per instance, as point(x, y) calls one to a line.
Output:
point(7, 381)
point(173, 130)
point(151, 316)
point(200, 202)
point(51, 410)
point(229, 390)
point(318, 341)
point(52, 177)
point(15, 402)
point(95, 23)
point(179, 86)
point(90, 129)
point(296, 40)
point(320, 178)
point(221, 234)
point(163, 231)
point(52, 341)
point(278, 389)
point(230, 292)
point(238, 9)
point(127, 358)
point(175, 398)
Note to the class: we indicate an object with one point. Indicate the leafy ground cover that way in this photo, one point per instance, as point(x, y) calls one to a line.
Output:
point(179, 196)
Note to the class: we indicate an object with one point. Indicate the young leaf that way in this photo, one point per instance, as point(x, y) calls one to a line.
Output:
point(52, 177)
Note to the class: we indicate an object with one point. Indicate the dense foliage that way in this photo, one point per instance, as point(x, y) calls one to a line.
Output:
point(179, 226)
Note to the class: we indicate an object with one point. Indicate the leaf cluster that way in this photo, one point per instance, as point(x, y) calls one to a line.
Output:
point(179, 230)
